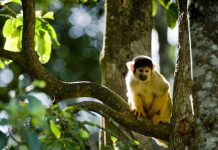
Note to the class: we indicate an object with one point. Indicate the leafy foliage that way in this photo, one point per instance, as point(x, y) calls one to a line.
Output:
point(32, 125)
point(171, 9)
point(45, 35)
point(35, 126)
point(172, 15)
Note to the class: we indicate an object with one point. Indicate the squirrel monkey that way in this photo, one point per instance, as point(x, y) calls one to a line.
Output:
point(148, 92)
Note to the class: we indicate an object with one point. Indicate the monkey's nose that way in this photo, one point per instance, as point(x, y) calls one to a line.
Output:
point(143, 77)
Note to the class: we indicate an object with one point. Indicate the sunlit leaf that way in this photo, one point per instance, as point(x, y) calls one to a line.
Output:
point(136, 142)
point(8, 1)
point(38, 24)
point(16, 1)
point(55, 129)
point(2, 65)
point(12, 35)
point(43, 45)
point(39, 83)
point(45, 35)
point(84, 134)
point(3, 140)
point(83, 1)
point(39, 14)
point(48, 15)
point(172, 15)
point(12, 40)
point(8, 28)
point(164, 3)
point(18, 22)
point(154, 7)
point(114, 139)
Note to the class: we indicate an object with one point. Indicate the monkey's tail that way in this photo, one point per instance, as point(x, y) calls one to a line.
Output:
point(161, 142)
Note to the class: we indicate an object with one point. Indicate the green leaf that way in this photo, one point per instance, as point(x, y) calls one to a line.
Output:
point(3, 140)
point(18, 22)
point(53, 34)
point(113, 139)
point(2, 65)
point(55, 129)
point(84, 134)
point(48, 15)
point(39, 83)
point(43, 45)
point(164, 3)
point(35, 107)
point(83, 1)
point(154, 7)
point(136, 142)
point(12, 42)
point(13, 109)
point(172, 15)
point(32, 140)
point(38, 24)
point(8, 27)
point(8, 1)
point(3, 121)
point(12, 35)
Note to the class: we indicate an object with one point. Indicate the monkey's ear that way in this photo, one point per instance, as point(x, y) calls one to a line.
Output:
point(154, 67)
point(130, 65)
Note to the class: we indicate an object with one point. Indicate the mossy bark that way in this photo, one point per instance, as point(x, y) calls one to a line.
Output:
point(182, 116)
point(127, 34)
point(204, 31)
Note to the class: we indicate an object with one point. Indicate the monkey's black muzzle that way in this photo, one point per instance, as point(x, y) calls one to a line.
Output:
point(143, 77)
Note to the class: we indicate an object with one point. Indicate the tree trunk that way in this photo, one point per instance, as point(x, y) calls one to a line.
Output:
point(182, 117)
point(160, 24)
point(127, 34)
point(204, 31)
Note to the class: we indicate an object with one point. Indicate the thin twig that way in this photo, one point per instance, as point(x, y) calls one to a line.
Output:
point(11, 10)
point(5, 15)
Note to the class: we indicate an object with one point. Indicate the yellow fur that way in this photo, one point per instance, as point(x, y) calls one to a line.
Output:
point(149, 98)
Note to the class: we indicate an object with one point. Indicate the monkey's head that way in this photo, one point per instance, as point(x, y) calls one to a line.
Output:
point(141, 66)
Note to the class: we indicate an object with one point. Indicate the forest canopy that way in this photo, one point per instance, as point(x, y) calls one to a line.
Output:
point(63, 69)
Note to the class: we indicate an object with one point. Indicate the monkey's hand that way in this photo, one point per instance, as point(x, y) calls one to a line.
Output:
point(139, 112)
point(156, 119)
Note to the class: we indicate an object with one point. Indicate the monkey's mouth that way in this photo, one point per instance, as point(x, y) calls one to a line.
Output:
point(142, 77)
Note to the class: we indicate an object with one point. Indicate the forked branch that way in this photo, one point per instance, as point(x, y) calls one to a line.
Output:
point(113, 104)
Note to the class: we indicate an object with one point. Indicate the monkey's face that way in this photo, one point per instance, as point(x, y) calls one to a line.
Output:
point(143, 73)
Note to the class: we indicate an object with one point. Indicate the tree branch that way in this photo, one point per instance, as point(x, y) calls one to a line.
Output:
point(28, 59)
point(128, 120)
point(15, 56)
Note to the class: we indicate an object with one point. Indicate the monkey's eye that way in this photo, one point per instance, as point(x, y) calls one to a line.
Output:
point(141, 70)
point(146, 71)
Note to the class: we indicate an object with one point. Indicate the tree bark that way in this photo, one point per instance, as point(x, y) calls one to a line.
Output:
point(112, 106)
point(204, 31)
point(127, 34)
point(182, 117)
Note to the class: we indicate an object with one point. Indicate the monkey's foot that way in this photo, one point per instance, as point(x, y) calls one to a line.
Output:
point(156, 119)
point(138, 112)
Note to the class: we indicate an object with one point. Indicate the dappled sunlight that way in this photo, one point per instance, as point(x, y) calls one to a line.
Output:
point(85, 22)
point(172, 35)
point(6, 76)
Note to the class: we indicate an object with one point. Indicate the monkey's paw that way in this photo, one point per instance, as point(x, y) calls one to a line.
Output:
point(138, 112)
point(156, 120)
